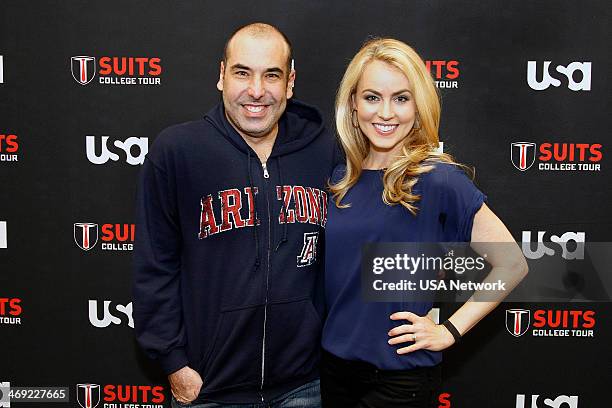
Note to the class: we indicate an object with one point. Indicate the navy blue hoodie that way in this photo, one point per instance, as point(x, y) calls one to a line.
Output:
point(228, 254)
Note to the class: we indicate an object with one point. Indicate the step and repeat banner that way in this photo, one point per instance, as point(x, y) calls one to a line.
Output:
point(85, 87)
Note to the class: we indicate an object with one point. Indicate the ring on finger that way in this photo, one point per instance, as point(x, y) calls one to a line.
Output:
point(414, 338)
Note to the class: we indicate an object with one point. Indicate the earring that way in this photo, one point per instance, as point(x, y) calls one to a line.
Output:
point(417, 124)
point(354, 119)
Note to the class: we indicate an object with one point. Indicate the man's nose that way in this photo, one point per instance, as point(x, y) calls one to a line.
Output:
point(256, 89)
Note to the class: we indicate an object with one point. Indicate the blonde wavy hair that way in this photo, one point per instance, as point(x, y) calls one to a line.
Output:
point(418, 152)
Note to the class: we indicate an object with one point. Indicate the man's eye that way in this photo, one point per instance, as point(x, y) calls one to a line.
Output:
point(273, 76)
point(241, 73)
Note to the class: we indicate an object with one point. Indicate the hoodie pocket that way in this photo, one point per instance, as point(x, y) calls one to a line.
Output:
point(292, 340)
point(235, 356)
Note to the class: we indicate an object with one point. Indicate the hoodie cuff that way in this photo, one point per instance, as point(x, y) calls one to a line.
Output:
point(173, 361)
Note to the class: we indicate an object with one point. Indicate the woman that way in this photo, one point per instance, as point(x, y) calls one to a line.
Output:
point(395, 187)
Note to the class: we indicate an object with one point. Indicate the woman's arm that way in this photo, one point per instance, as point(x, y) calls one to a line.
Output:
point(508, 265)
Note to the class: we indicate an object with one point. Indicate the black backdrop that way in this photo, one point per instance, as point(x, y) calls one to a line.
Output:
point(50, 288)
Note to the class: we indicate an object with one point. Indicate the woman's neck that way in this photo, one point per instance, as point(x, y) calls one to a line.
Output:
point(377, 160)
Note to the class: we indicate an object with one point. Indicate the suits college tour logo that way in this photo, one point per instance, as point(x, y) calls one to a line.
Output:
point(120, 396)
point(9, 148)
point(444, 73)
point(10, 310)
point(88, 395)
point(551, 322)
point(115, 237)
point(551, 156)
point(83, 69)
point(116, 70)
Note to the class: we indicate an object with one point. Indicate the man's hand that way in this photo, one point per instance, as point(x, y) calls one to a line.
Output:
point(185, 384)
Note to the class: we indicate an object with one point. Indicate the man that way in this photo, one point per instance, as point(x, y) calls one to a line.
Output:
point(231, 214)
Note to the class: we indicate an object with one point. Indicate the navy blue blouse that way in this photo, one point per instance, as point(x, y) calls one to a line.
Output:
point(355, 329)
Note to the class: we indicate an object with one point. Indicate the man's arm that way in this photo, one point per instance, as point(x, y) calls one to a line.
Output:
point(158, 317)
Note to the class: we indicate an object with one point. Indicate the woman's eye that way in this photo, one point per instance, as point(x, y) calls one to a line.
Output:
point(371, 98)
point(402, 99)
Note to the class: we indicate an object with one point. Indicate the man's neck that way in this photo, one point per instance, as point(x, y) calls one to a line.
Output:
point(262, 145)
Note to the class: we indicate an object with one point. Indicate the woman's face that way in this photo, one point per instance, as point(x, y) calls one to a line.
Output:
point(385, 107)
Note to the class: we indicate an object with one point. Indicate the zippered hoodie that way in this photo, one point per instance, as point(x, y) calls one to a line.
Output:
point(228, 254)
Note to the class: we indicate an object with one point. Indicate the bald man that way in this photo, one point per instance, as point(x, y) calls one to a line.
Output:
point(231, 214)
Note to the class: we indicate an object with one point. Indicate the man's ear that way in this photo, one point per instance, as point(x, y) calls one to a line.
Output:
point(290, 84)
point(221, 73)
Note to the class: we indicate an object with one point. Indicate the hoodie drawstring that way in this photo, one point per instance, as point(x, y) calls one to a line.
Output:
point(255, 234)
point(284, 207)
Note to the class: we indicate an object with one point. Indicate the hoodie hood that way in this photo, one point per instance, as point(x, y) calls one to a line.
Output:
point(299, 125)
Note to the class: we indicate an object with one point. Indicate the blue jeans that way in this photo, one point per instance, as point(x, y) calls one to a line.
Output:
point(305, 396)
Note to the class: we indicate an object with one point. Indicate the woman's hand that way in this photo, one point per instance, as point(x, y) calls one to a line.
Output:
point(422, 331)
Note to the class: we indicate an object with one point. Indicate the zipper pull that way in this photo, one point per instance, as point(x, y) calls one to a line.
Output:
point(265, 170)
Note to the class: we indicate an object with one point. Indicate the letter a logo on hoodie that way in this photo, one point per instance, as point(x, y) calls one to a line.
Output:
point(309, 250)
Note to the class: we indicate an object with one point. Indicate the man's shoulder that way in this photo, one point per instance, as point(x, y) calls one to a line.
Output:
point(179, 139)
point(183, 136)
point(182, 131)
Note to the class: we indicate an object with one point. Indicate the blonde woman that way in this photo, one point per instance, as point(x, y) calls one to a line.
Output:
point(395, 187)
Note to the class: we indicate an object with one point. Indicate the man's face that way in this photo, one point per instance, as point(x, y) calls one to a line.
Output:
point(255, 83)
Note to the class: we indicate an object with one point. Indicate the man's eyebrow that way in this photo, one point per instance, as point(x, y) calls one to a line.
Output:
point(244, 67)
point(275, 69)
point(240, 66)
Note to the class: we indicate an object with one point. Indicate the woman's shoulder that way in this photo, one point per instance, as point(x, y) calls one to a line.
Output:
point(442, 174)
point(452, 185)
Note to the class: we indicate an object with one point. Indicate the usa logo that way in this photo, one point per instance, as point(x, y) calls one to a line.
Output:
point(522, 155)
point(83, 69)
point(88, 395)
point(309, 251)
point(517, 321)
point(86, 235)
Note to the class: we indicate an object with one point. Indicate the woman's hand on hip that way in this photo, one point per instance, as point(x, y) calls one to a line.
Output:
point(422, 332)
